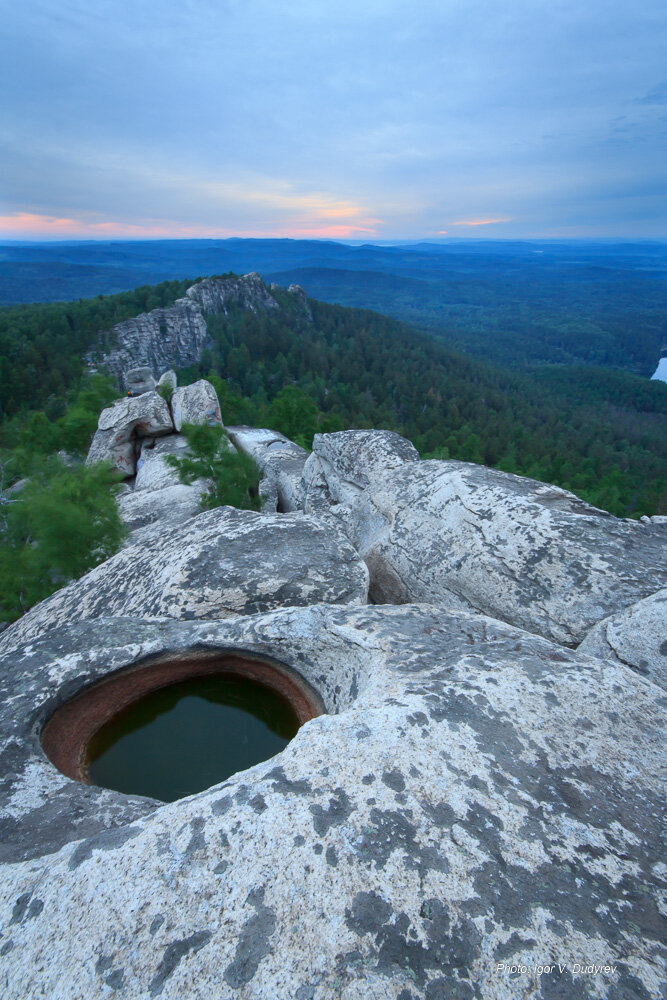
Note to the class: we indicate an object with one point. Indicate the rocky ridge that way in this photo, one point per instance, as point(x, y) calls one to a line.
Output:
point(478, 797)
point(176, 336)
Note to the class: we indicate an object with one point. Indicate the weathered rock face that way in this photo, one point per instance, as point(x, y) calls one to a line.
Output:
point(139, 380)
point(280, 461)
point(518, 550)
point(196, 404)
point(469, 803)
point(343, 464)
point(122, 424)
point(222, 562)
point(636, 637)
point(175, 337)
point(153, 472)
point(168, 378)
point(216, 295)
point(160, 339)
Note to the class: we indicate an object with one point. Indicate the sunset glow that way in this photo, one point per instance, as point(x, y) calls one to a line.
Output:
point(27, 225)
point(331, 121)
point(480, 222)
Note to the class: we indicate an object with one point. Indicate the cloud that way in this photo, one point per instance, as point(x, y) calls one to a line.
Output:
point(224, 116)
point(481, 222)
point(26, 225)
point(658, 95)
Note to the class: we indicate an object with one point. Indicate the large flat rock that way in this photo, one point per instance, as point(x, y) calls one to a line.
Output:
point(158, 509)
point(196, 404)
point(477, 798)
point(220, 563)
point(513, 548)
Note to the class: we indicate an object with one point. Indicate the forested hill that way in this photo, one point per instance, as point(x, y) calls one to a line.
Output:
point(514, 302)
point(601, 437)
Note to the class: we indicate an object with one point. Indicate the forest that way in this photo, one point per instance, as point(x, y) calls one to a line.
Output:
point(300, 370)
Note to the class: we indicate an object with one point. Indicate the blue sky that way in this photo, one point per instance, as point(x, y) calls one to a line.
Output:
point(376, 120)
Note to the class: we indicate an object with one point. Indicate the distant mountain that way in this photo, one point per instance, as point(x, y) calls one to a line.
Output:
point(514, 302)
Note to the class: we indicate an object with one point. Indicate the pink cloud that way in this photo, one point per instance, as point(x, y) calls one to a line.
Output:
point(34, 225)
point(479, 222)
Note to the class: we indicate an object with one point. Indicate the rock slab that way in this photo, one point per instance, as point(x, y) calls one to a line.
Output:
point(521, 551)
point(220, 563)
point(471, 801)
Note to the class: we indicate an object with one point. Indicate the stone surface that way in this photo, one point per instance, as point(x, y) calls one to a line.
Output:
point(223, 562)
point(636, 637)
point(158, 340)
point(216, 295)
point(156, 509)
point(153, 472)
point(474, 797)
point(139, 380)
point(196, 404)
point(516, 549)
point(121, 426)
point(280, 461)
point(343, 464)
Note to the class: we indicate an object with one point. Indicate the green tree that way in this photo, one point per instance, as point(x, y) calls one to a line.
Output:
point(294, 414)
point(232, 477)
point(63, 522)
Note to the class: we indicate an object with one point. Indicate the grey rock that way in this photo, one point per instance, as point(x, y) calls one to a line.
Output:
point(196, 404)
point(158, 339)
point(474, 796)
point(636, 637)
point(216, 295)
point(158, 508)
point(139, 380)
point(122, 425)
point(516, 549)
point(223, 562)
point(153, 472)
point(346, 462)
point(176, 336)
point(117, 449)
point(168, 379)
point(280, 461)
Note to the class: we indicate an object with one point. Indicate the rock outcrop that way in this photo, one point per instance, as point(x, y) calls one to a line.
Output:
point(175, 337)
point(120, 427)
point(471, 802)
point(147, 512)
point(223, 562)
point(139, 380)
point(636, 637)
point(127, 431)
point(158, 340)
point(217, 295)
point(196, 404)
point(477, 798)
point(343, 464)
point(521, 551)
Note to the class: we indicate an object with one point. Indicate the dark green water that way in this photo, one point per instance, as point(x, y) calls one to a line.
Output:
point(189, 736)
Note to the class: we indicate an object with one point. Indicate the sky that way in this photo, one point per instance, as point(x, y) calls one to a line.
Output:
point(352, 120)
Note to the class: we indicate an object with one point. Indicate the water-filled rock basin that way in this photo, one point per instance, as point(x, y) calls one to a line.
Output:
point(186, 737)
point(172, 728)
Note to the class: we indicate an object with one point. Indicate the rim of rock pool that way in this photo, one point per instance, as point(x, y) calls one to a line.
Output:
point(72, 727)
